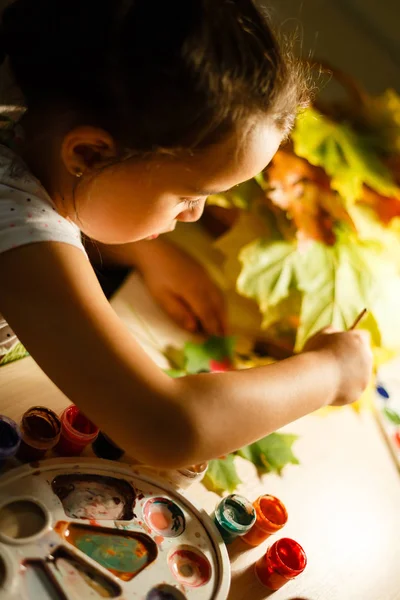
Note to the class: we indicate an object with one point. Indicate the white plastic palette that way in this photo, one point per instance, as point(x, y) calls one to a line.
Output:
point(97, 529)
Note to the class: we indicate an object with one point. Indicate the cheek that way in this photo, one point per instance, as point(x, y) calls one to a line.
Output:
point(119, 216)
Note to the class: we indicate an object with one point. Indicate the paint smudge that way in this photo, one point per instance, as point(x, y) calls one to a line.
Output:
point(95, 497)
point(123, 553)
point(159, 540)
point(80, 579)
point(189, 566)
point(164, 517)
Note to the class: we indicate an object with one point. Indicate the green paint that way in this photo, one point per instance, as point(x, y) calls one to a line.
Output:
point(123, 553)
point(127, 555)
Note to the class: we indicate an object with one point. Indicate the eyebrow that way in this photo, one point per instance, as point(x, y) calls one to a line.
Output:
point(201, 192)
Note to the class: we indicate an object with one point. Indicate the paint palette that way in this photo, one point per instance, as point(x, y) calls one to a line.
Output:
point(96, 529)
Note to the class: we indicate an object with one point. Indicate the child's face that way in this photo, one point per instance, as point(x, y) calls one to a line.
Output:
point(140, 199)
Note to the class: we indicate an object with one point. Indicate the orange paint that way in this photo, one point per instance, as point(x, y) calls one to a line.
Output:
point(158, 539)
point(159, 521)
point(271, 517)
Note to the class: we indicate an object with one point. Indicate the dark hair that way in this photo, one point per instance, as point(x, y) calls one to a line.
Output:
point(155, 74)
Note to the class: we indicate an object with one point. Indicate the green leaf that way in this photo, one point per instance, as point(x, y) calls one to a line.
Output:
point(221, 475)
point(175, 373)
point(337, 283)
point(176, 357)
point(198, 356)
point(272, 453)
point(392, 415)
point(350, 159)
point(16, 353)
point(241, 196)
point(268, 271)
point(248, 227)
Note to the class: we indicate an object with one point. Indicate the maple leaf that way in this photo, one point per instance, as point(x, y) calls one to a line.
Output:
point(349, 158)
point(221, 475)
point(175, 373)
point(337, 282)
point(198, 356)
point(304, 192)
point(241, 196)
point(14, 354)
point(247, 228)
point(268, 271)
point(385, 208)
point(272, 453)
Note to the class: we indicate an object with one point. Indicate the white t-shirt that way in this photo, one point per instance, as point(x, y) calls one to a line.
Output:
point(27, 216)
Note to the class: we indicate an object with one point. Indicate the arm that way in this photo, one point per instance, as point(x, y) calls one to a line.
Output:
point(54, 303)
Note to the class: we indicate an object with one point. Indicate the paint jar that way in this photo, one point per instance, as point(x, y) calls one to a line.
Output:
point(271, 517)
point(10, 438)
point(282, 562)
point(234, 517)
point(77, 432)
point(104, 447)
point(40, 429)
point(184, 478)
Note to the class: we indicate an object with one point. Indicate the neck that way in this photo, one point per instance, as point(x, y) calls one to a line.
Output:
point(41, 151)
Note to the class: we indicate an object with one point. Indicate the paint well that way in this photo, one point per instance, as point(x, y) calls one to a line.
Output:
point(39, 583)
point(95, 497)
point(22, 519)
point(164, 517)
point(123, 553)
point(82, 581)
point(10, 438)
point(165, 592)
point(189, 566)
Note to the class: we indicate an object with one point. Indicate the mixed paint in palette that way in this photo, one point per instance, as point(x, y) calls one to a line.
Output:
point(95, 529)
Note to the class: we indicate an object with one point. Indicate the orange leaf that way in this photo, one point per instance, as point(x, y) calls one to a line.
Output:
point(386, 208)
point(303, 192)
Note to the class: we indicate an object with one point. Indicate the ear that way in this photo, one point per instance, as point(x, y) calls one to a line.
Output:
point(87, 148)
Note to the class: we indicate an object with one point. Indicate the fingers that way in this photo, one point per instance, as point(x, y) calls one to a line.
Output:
point(179, 312)
point(196, 309)
point(210, 311)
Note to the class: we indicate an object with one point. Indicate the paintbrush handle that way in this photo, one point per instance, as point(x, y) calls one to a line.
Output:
point(360, 316)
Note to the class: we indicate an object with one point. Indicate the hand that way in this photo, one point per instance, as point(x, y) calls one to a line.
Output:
point(183, 288)
point(351, 350)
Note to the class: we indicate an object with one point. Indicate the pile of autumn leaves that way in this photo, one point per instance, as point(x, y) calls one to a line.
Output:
point(317, 235)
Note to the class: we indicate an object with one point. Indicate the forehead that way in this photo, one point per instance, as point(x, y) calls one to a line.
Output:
point(238, 158)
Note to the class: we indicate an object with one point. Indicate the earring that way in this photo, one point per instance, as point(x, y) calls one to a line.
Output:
point(78, 173)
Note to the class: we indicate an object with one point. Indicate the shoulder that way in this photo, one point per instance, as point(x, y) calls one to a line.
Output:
point(27, 214)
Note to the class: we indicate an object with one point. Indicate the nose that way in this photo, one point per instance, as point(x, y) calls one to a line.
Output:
point(191, 214)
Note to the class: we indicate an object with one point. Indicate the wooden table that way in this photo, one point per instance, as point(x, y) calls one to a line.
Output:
point(343, 501)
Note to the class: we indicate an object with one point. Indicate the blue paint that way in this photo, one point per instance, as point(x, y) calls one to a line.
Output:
point(10, 438)
point(382, 392)
point(234, 516)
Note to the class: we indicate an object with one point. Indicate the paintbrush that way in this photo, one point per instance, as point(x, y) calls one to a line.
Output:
point(360, 316)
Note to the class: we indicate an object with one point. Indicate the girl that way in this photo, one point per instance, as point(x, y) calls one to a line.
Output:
point(136, 111)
